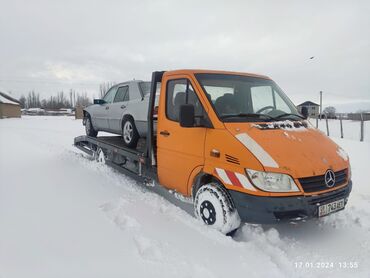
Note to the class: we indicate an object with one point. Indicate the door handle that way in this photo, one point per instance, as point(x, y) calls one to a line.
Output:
point(107, 107)
point(165, 133)
point(123, 106)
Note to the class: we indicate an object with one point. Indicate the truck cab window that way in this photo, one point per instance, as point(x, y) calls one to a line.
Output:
point(180, 92)
point(241, 98)
point(264, 96)
point(261, 97)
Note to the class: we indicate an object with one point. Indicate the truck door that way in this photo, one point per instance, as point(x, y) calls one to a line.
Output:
point(117, 109)
point(101, 111)
point(179, 150)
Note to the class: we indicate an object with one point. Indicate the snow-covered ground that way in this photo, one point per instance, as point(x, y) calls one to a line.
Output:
point(63, 215)
point(351, 129)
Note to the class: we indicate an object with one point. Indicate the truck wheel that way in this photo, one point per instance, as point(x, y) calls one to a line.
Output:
point(90, 131)
point(129, 133)
point(214, 207)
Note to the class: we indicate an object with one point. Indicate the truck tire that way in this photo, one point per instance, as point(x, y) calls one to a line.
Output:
point(213, 206)
point(90, 131)
point(129, 132)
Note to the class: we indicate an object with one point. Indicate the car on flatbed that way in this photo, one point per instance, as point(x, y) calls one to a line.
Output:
point(122, 110)
point(234, 147)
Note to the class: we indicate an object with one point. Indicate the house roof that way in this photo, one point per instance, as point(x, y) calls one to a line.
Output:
point(4, 98)
point(308, 103)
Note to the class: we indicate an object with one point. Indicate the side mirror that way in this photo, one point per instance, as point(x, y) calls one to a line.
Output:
point(99, 101)
point(187, 115)
point(304, 112)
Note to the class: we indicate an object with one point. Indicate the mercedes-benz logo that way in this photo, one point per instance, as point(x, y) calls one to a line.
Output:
point(329, 178)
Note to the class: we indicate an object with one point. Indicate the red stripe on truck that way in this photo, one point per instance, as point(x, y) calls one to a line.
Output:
point(233, 178)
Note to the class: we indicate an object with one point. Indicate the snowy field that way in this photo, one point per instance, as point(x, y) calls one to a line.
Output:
point(351, 129)
point(63, 215)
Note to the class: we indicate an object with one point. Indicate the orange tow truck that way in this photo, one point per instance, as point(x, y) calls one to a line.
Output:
point(232, 148)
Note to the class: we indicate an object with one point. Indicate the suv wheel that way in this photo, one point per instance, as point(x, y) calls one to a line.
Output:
point(90, 131)
point(129, 133)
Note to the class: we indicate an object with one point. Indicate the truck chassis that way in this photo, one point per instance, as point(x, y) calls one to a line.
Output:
point(139, 163)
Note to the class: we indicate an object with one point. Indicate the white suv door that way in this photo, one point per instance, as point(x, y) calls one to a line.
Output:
point(101, 111)
point(118, 108)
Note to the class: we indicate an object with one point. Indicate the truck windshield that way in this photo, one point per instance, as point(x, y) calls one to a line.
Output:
point(238, 98)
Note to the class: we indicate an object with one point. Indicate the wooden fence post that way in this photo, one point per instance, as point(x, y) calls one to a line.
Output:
point(327, 124)
point(341, 126)
point(362, 128)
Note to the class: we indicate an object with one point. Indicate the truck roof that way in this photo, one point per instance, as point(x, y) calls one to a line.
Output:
point(194, 71)
point(182, 71)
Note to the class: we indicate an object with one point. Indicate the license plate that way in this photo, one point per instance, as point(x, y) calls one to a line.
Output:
point(331, 207)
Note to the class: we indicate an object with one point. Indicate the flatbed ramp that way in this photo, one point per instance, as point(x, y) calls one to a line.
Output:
point(133, 163)
point(108, 142)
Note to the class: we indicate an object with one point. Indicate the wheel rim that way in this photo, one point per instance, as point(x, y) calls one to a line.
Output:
point(127, 132)
point(208, 213)
point(87, 126)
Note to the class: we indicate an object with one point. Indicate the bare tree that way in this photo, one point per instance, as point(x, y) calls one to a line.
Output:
point(60, 100)
point(33, 100)
point(104, 87)
point(329, 111)
point(83, 100)
point(23, 101)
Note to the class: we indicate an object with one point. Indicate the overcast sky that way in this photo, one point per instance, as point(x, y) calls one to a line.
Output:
point(50, 46)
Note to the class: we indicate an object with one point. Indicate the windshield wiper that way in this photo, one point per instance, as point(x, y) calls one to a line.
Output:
point(247, 115)
point(289, 114)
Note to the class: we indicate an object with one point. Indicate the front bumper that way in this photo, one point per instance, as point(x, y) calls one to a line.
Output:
point(270, 210)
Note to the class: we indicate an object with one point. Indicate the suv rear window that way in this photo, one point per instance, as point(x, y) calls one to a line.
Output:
point(145, 87)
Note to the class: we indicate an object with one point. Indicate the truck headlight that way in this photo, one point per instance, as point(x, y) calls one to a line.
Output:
point(272, 182)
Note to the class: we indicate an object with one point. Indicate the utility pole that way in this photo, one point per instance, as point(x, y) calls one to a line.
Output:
point(320, 105)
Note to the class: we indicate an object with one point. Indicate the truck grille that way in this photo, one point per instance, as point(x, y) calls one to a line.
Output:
point(317, 183)
point(328, 197)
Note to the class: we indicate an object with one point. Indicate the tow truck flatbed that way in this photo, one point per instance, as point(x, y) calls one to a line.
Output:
point(112, 141)
point(131, 162)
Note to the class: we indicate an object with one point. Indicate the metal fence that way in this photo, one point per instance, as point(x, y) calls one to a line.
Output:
point(360, 118)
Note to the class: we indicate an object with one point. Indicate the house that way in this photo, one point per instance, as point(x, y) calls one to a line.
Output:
point(9, 107)
point(312, 108)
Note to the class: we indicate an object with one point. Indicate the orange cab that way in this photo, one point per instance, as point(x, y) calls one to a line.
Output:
point(237, 145)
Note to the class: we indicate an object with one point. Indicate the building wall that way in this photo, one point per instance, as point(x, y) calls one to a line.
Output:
point(8, 110)
point(79, 112)
point(313, 111)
